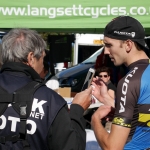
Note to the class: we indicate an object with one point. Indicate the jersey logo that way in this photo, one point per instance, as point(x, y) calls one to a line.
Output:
point(125, 89)
point(122, 122)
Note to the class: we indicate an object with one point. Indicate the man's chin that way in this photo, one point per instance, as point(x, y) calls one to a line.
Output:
point(116, 64)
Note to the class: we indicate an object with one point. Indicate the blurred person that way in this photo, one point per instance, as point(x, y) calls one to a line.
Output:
point(104, 74)
point(52, 127)
point(46, 66)
point(48, 73)
point(125, 44)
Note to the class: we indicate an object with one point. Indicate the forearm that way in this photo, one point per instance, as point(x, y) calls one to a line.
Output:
point(108, 100)
point(68, 132)
point(100, 133)
point(115, 140)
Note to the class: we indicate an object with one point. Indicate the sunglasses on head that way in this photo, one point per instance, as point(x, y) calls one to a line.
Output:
point(105, 76)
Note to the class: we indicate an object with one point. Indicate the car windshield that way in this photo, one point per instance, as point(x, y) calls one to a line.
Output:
point(92, 58)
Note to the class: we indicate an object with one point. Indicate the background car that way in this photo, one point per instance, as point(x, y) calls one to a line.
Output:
point(74, 76)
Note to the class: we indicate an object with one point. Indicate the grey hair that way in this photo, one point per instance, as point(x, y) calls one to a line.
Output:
point(19, 42)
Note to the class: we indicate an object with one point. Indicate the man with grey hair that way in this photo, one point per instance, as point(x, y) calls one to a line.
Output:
point(49, 125)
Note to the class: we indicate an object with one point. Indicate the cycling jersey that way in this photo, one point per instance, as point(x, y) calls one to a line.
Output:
point(133, 105)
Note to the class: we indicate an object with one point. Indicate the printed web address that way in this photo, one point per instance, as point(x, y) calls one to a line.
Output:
point(53, 12)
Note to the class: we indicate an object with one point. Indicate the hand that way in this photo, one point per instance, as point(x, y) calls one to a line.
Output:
point(83, 98)
point(103, 112)
point(101, 93)
point(99, 89)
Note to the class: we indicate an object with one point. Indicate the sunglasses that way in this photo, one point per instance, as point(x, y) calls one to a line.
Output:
point(105, 76)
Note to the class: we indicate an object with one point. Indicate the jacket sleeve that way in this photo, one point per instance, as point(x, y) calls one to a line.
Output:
point(67, 132)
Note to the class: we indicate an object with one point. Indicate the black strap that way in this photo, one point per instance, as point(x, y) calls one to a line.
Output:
point(26, 145)
point(5, 99)
point(24, 98)
point(22, 102)
point(13, 138)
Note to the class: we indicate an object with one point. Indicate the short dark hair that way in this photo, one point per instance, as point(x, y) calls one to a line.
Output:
point(103, 69)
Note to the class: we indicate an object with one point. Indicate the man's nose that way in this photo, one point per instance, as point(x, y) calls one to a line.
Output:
point(106, 51)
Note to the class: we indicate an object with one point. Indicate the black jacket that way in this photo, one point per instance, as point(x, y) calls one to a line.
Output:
point(50, 125)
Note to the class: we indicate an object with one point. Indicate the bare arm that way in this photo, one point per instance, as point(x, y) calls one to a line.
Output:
point(108, 141)
point(111, 93)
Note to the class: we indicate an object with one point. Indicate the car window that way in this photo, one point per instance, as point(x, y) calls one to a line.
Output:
point(93, 57)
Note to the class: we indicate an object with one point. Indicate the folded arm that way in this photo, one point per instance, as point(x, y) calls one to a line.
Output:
point(116, 139)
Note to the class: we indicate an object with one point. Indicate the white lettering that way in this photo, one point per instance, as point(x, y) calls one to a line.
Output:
point(102, 11)
point(33, 127)
point(60, 11)
point(122, 11)
point(36, 105)
point(2, 126)
point(74, 10)
point(122, 109)
point(36, 115)
point(126, 79)
point(14, 121)
point(123, 99)
point(132, 9)
point(52, 12)
point(86, 11)
point(125, 89)
point(141, 11)
point(95, 13)
point(114, 11)
point(68, 11)
point(34, 11)
point(32, 114)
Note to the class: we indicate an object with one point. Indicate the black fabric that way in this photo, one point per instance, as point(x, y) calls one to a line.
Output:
point(47, 104)
point(20, 67)
point(21, 101)
point(68, 133)
point(5, 98)
point(49, 125)
point(24, 96)
point(124, 28)
point(111, 86)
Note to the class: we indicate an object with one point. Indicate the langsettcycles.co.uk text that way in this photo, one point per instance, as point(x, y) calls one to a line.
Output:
point(74, 10)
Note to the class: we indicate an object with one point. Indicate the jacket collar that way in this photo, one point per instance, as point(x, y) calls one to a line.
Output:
point(21, 67)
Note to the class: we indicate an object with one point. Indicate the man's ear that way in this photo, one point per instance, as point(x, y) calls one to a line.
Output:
point(30, 59)
point(129, 45)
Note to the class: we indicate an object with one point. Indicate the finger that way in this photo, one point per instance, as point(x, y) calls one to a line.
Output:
point(97, 77)
point(102, 83)
point(93, 84)
point(89, 90)
point(94, 79)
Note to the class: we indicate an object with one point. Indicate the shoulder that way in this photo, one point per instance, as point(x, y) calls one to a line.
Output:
point(45, 93)
point(111, 86)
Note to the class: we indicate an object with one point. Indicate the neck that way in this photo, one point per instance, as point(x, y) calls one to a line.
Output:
point(138, 55)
